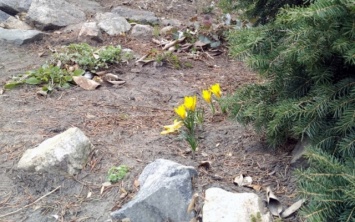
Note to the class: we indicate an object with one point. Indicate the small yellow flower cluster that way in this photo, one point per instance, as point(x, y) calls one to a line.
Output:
point(188, 109)
point(215, 90)
point(189, 105)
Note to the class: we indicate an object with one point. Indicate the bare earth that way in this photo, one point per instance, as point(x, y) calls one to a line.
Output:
point(124, 124)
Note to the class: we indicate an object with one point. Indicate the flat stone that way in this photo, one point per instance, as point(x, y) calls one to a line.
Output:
point(14, 23)
point(166, 191)
point(112, 24)
point(140, 16)
point(64, 153)
point(90, 31)
point(20, 37)
point(13, 7)
point(223, 206)
point(143, 32)
point(54, 14)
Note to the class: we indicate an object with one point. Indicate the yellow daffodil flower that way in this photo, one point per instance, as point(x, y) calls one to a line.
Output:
point(181, 111)
point(172, 128)
point(190, 102)
point(216, 90)
point(206, 95)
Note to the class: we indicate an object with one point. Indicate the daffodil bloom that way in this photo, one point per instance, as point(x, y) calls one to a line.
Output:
point(190, 102)
point(206, 95)
point(172, 128)
point(181, 111)
point(216, 90)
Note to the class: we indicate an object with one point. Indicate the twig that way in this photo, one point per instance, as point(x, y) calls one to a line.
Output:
point(173, 43)
point(28, 205)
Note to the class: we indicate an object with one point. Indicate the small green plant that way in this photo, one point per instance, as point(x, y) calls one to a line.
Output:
point(88, 57)
point(117, 173)
point(70, 61)
point(256, 218)
point(49, 76)
point(156, 31)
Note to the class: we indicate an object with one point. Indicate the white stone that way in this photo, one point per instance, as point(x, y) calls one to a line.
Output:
point(66, 152)
point(224, 206)
point(112, 24)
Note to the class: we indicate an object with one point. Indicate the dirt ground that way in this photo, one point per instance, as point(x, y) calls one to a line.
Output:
point(124, 124)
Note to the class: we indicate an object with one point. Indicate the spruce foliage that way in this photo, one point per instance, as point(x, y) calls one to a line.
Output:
point(260, 11)
point(306, 57)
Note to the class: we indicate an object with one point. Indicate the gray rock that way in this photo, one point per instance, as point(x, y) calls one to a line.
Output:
point(89, 6)
point(166, 190)
point(3, 16)
point(171, 22)
point(64, 153)
point(54, 14)
point(13, 7)
point(20, 37)
point(139, 16)
point(14, 23)
point(90, 31)
point(112, 24)
point(143, 32)
point(223, 206)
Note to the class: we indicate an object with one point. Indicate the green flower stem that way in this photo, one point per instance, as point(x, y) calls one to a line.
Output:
point(213, 109)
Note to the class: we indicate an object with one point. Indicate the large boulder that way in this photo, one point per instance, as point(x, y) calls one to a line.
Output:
point(139, 16)
point(64, 153)
point(224, 206)
point(166, 191)
point(54, 14)
point(20, 37)
point(13, 7)
point(112, 24)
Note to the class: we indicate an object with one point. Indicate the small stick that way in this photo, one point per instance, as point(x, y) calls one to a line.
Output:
point(28, 205)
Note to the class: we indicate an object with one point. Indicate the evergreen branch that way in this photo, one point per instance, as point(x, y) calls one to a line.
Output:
point(351, 217)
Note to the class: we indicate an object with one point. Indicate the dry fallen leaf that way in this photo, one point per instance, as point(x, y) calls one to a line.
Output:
point(192, 203)
point(242, 180)
point(89, 195)
point(124, 193)
point(293, 208)
point(194, 18)
point(274, 204)
point(85, 83)
point(106, 184)
point(136, 183)
point(255, 187)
